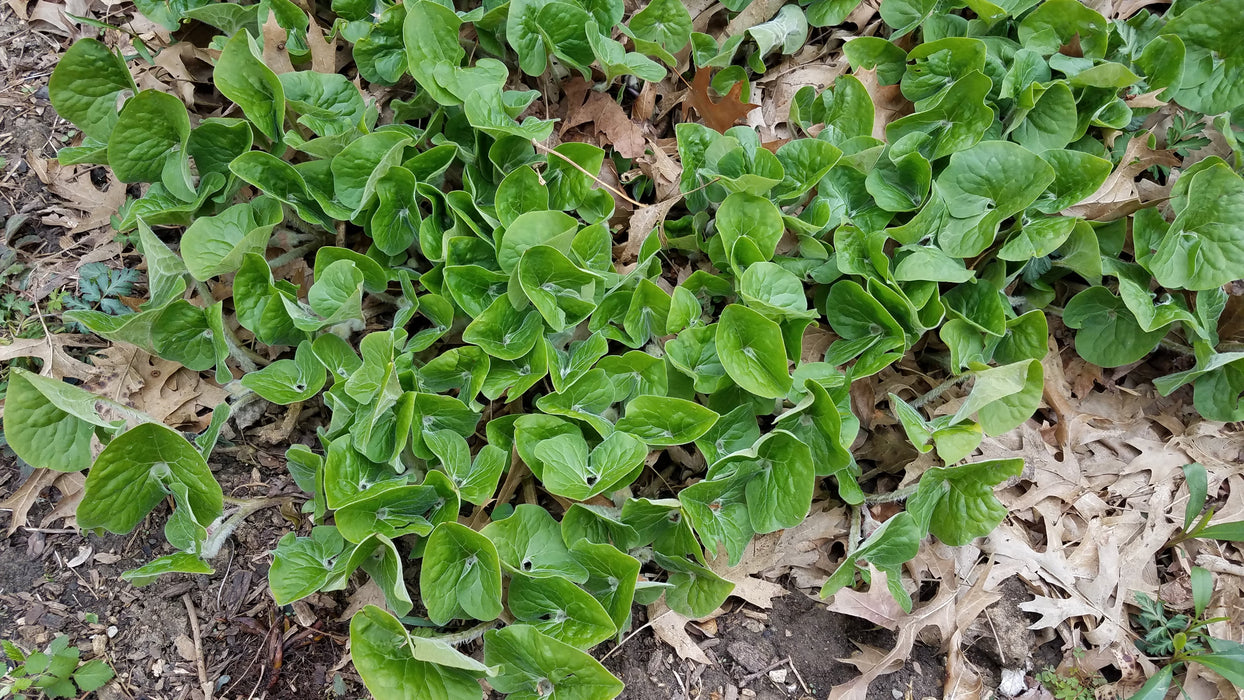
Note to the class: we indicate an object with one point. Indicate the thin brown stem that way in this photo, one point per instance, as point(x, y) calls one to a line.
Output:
point(581, 169)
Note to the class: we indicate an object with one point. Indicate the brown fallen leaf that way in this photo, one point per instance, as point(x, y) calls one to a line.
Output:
point(867, 657)
point(275, 56)
point(962, 682)
point(657, 164)
point(74, 187)
point(876, 605)
point(747, 585)
point(173, 60)
point(816, 342)
point(1127, 8)
point(370, 593)
point(643, 222)
point(1118, 196)
point(888, 101)
point(164, 390)
point(25, 497)
point(718, 115)
point(756, 12)
point(1055, 611)
point(671, 627)
point(72, 487)
point(54, 17)
point(324, 54)
point(51, 350)
point(939, 612)
point(613, 128)
point(784, 82)
point(19, 8)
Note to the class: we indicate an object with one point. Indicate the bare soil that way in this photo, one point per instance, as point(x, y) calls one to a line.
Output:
point(250, 647)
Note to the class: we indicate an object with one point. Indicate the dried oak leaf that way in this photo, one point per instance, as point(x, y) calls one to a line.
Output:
point(876, 605)
point(162, 389)
point(717, 115)
point(643, 222)
point(613, 127)
point(25, 497)
point(671, 627)
point(1119, 196)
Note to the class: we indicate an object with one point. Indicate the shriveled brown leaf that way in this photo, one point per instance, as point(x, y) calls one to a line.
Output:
point(324, 54)
point(54, 17)
point(74, 188)
point(275, 55)
point(756, 12)
point(586, 106)
point(718, 115)
point(863, 13)
point(643, 222)
point(1127, 8)
point(51, 350)
point(1118, 195)
point(875, 605)
point(671, 628)
point(816, 342)
point(783, 84)
point(1055, 611)
point(661, 168)
point(72, 487)
point(747, 584)
point(646, 103)
point(888, 101)
point(369, 593)
point(173, 60)
point(800, 550)
point(868, 657)
point(756, 591)
point(162, 389)
point(278, 432)
point(938, 612)
point(19, 8)
point(962, 681)
point(24, 498)
point(1145, 101)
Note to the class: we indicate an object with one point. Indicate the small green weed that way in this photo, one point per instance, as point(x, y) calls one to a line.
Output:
point(100, 288)
point(1180, 639)
point(56, 672)
point(1162, 628)
point(1072, 684)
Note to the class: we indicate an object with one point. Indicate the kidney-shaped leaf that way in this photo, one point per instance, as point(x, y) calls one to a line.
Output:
point(461, 576)
point(530, 542)
point(665, 420)
point(85, 85)
point(561, 610)
point(752, 352)
point(957, 503)
point(394, 665)
point(132, 474)
point(533, 666)
point(49, 423)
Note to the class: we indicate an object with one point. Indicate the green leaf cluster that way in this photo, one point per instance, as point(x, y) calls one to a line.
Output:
point(476, 324)
point(55, 672)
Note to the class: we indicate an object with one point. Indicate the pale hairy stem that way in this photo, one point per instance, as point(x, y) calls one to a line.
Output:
point(220, 530)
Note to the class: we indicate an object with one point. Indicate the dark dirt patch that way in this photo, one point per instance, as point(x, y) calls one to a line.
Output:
point(29, 127)
point(145, 633)
point(749, 643)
